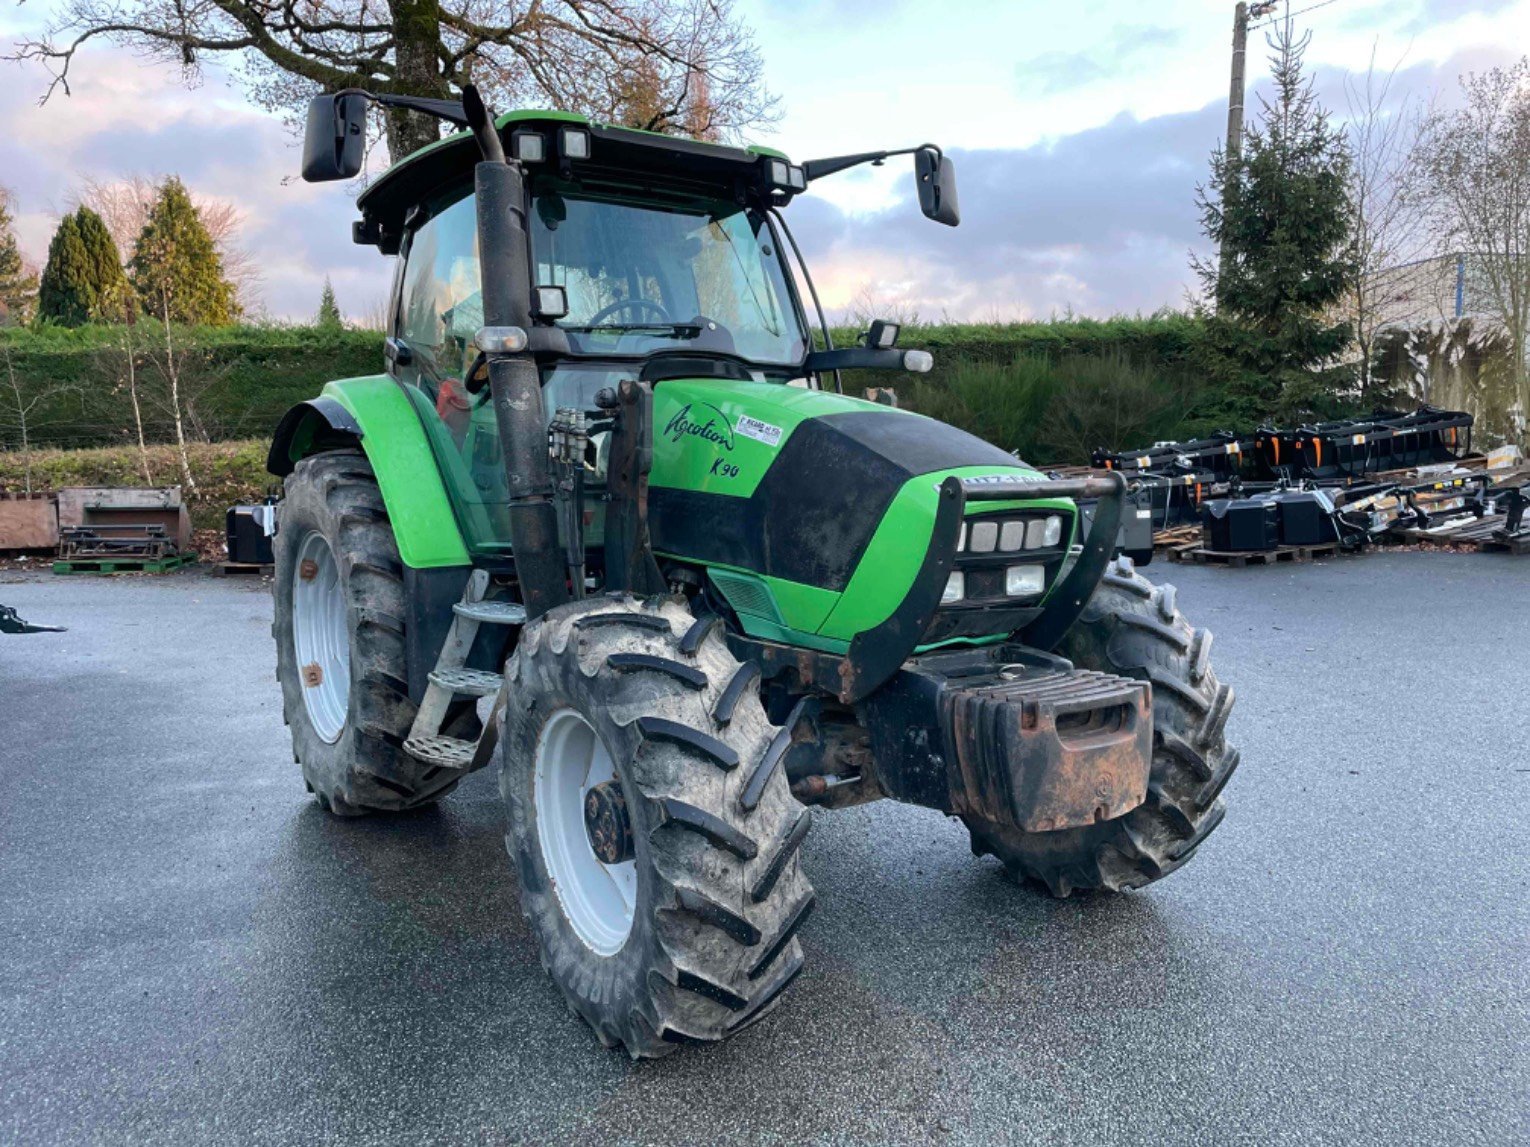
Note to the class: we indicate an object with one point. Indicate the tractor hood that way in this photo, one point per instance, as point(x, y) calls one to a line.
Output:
point(813, 510)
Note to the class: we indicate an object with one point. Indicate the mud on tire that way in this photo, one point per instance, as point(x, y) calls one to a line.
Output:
point(1133, 628)
point(716, 832)
point(366, 769)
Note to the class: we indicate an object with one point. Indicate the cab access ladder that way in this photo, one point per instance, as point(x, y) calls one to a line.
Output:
point(451, 678)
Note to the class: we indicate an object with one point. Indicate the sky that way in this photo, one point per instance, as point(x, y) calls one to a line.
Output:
point(1079, 132)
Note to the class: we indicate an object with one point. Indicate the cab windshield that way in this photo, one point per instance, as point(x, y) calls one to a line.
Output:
point(644, 277)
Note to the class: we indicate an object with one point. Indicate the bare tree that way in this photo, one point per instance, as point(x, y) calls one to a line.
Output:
point(1388, 222)
point(1474, 164)
point(128, 309)
point(124, 206)
point(22, 406)
point(658, 64)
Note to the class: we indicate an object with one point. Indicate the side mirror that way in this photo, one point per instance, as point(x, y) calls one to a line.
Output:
point(336, 137)
point(936, 176)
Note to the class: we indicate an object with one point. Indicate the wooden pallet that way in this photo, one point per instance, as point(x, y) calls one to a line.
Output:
point(1177, 538)
point(117, 565)
point(1237, 560)
point(1519, 545)
point(233, 569)
point(1478, 534)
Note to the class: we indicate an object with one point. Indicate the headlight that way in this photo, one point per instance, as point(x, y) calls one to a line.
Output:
point(956, 588)
point(1023, 581)
point(985, 535)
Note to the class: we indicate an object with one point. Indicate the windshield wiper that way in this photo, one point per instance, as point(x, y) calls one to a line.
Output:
point(670, 330)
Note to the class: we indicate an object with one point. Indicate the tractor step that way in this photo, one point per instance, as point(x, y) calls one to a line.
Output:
point(451, 678)
point(492, 612)
point(441, 751)
point(468, 682)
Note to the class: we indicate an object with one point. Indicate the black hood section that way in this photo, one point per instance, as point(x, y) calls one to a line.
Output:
point(813, 514)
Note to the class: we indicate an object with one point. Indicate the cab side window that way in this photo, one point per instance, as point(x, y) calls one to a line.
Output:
point(440, 307)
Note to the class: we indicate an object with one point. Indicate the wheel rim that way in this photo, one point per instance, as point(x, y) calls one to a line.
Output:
point(599, 900)
point(320, 637)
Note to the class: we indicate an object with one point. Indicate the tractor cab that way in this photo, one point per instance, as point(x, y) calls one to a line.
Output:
point(635, 272)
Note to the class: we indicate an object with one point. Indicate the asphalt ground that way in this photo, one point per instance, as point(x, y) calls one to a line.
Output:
point(191, 951)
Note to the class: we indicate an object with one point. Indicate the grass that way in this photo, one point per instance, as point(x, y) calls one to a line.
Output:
point(226, 473)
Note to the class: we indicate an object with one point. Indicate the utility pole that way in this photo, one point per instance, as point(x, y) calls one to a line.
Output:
point(1232, 147)
point(1234, 139)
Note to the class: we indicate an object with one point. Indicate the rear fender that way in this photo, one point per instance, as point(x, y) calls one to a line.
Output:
point(375, 414)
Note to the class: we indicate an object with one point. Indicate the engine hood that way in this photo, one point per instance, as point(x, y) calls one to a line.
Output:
point(794, 485)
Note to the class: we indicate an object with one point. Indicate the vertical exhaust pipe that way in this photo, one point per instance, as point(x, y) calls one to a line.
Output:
point(515, 387)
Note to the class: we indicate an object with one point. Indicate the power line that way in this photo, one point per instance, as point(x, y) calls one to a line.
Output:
point(1292, 15)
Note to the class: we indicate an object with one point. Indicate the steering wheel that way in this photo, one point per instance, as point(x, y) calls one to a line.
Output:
point(629, 304)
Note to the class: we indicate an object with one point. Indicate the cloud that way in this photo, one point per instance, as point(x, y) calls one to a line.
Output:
point(1052, 72)
point(1423, 16)
point(128, 117)
point(1100, 222)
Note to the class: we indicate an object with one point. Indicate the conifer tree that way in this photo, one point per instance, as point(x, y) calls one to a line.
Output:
point(83, 274)
point(1278, 210)
point(18, 283)
point(329, 315)
point(176, 269)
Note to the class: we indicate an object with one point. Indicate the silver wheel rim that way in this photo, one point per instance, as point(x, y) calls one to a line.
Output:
point(599, 900)
point(320, 637)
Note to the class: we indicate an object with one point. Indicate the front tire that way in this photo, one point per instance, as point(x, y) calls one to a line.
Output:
point(1133, 628)
point(690, 936)
point(340, 654)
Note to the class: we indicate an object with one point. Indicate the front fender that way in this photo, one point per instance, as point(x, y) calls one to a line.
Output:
point(311, 427)
point(375, 414)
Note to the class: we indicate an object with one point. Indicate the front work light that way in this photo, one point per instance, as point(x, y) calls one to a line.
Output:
point(573, 143)
point(882, 335)
point(552, 302)
point(528, 146)
point(1024, 581)
point(787, 175)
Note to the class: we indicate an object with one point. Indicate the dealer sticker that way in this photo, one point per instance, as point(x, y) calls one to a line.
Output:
point(759, 431)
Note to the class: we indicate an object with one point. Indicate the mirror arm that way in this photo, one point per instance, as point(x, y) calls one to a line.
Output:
point(818, 168)
point(451, 111)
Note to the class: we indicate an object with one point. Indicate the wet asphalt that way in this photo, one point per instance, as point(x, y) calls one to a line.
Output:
point(191, 951)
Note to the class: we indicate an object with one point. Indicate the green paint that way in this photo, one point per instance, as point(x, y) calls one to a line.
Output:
point(395, 443)
point(773, 608)
point(697, 443)
point(698, 446)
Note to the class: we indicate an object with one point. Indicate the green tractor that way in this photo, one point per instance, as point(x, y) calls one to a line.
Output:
point(608, 521)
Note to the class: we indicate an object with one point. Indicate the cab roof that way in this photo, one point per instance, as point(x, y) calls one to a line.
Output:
point(448, 162)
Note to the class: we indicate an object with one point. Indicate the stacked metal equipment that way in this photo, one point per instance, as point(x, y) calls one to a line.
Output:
point(1175, 478)
point(1345, 482)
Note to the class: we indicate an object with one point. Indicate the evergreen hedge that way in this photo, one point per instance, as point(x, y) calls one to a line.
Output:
point(994, 379)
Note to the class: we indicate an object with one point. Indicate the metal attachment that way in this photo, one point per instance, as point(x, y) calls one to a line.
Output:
point(308, 569)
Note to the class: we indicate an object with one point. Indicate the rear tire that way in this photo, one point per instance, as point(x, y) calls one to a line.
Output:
point(351, 753)
point(717, 892)
point(1132, 627)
